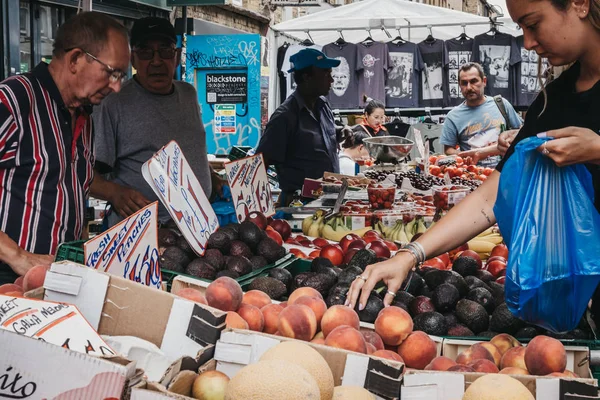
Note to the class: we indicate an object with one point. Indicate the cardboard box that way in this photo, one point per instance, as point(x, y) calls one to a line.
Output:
point(238, 348)
point(34, 369)
point(118, 307)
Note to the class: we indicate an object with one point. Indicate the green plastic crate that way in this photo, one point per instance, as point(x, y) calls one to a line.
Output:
point(71, 251)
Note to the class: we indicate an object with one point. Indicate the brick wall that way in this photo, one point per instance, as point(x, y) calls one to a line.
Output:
point(232, 19)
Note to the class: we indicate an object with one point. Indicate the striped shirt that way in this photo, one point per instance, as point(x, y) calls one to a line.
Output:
point(45, 164)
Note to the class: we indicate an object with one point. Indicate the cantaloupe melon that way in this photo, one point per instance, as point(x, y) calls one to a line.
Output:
point(273, 380)
point(352, 393)
point(497, 387)
point(309, 359)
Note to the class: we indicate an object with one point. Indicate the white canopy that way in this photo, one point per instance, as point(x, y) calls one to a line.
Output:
point(354, 19)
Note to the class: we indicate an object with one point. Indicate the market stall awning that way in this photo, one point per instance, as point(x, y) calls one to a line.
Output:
point(354, 19)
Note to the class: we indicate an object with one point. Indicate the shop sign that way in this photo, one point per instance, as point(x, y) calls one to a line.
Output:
point(250, 188)
point(129, 249)
point(172, 179)
point(57, 323)
point(224, 119)
point(223, 88)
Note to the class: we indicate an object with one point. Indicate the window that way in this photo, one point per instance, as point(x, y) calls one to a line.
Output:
point(25, 58)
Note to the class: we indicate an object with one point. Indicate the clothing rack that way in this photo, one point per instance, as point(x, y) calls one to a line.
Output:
point(403, 112)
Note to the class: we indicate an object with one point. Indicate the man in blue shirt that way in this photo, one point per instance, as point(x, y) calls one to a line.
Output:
point(301, 138)
point(475, 124)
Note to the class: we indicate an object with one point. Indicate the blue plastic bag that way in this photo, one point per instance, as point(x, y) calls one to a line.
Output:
point(548, 220)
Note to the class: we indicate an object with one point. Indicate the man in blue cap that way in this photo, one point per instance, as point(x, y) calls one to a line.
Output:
point(301, 138)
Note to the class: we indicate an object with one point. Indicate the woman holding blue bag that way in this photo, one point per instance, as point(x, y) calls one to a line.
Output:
point(548, 200)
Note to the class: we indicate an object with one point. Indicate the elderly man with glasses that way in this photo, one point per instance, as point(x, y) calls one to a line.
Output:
point(151, 110)
point(46, 143)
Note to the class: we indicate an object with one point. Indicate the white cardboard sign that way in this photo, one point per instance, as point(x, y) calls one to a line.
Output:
point(174, 182)
point(250, 188)
point(129, 249)
point(57, 323)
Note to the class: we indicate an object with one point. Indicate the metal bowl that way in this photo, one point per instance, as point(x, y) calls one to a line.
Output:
point(388, 149)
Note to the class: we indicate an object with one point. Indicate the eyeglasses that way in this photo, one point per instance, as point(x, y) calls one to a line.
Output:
point(115, 75)
point(146, 53)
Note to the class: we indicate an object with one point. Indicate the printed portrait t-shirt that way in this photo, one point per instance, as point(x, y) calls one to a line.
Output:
point(528, 85)
point(402, 89)
point(372, 63)
point(459, 53)
point(434, 88)
point(344, 89)
point(293, 49)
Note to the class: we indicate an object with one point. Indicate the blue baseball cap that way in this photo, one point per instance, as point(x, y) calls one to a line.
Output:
point(308, 57)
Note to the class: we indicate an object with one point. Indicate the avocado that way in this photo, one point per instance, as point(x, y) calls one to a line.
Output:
point(170, 224)
point(484, 297)
point(282, 275)
point(371, 311)
point(170, 265)
point(349, 274)
point(232, 231)
point(250, 234)
point(228, 273)
point(183, 244)
point(271, 286)
point(335, 299)
point(473, 282)
point(320, 282)
point(415, 284)
point(459, 282)
point(214, 258)
point(445, 297)
point(465, 266)
point(166, 237)
point(337, 270)
point(300, 279)
point(269, 249)
point(425, 291)
point(473, 315)
point(450, 318)
point(362, 259)
point(219, 240)
point(484, 276)
point(529, 332)
point(239, 264)
point(201, 269)
point(420, 305)
point(487, 334)
point(258, 262)
point(497, 291)
point(460, 330)
point(234, 227)
point(404, 298)
point(504, 321)
point(319, 264)
point(239, 248)
point(339, 288)
point(435, 278)
point(176, 255)
point(432, 323)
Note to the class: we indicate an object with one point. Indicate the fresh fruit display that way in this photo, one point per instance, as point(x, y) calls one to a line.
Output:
point(447, 196)
point(404, 230)
point(352, 182)
point(381, 196)
point(207, 385)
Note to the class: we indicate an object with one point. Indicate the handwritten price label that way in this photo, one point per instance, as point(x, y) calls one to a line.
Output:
point(175, 184)
point(250, 186)
point(129, 249)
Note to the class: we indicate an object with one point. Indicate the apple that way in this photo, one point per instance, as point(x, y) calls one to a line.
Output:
point(283, 227)
point(273, 234)
point(380, 249)
point(501, 280)
point(305, 243)
point(357, 244)
point(497, 258)
point(346, 240)
point(416, 236)
point(455, 253)
point(298, 253)
point(496, 267)
point(258, 218)
point(391, 245)
point(320, 242)
point(436, 263)
point(349, 254)
point(333, 253)
point(314, 254)
point(445, 257)
point(500, 250)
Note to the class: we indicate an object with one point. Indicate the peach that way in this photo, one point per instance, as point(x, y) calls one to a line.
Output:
point(192, 294)
point(234, 321)
point(394, 325)
point(348, 338)
point(545, 355)
point(319, 340)
point(494, 352)
point(253, 316)
point(566, 374)
point(283, 304)
point(303, 291)
point(225, 294)
point(474, 353)
point(16, 293)
point(504, 342)
point(484, 366)
point(460, 368)
point(34, 278)
point(417, 350)
point(271, 313)
point(390, 355)
point(514, 371)
point(19, 281)
point(371, 349)
point(256, 298)
point(337, 316)
point(10, 287)
point(319, 335)
point(514, 358)
point(440, 363)
point(297, 321)
point(373, 338)
point(316, 304)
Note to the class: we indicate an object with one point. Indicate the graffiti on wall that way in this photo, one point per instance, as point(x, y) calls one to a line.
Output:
point(225, 69)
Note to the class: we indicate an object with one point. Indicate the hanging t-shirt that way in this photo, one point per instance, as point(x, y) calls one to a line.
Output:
point(434, 87)
point(459, 54)
point(293, 49)
point(372, 63)
point(344, 89)
point(402, 89)
point(528, 85)
point(498, 54)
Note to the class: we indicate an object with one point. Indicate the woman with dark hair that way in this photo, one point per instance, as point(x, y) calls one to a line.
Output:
point(373, 119)
point(353, 150)
point(565, 32)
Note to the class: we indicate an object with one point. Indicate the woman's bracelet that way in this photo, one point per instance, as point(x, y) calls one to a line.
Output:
point(417, 250)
